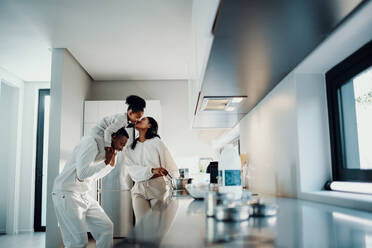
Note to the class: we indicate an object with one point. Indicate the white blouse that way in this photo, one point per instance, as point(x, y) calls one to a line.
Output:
point(147, 155)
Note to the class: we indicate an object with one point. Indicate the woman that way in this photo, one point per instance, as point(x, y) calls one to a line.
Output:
point(148, 161)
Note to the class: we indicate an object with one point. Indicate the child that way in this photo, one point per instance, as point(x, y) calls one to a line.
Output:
point(110, 124)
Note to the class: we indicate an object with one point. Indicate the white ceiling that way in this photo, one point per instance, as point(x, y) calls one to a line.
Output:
point(113, 40)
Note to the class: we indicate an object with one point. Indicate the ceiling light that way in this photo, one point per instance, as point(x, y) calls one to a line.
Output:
point(210, 104)
point(221, 103)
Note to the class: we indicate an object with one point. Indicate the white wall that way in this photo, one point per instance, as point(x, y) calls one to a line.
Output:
point(27, 173)
point(69, 86)
point(268, 136)
point(12, 199)
point(314, 152)
point(182, 141)
point(286, 138)
point(8, 138)
point(4, 127)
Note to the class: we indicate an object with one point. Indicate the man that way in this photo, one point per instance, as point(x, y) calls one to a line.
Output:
point(77, 212)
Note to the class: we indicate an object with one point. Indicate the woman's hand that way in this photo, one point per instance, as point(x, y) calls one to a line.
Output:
point(159, 171)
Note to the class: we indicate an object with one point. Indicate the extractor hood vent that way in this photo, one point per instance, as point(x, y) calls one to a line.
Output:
point(221, 103)
point(256, 45)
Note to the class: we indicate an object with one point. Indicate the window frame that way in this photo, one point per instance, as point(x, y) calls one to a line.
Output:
point(38, 227)
point(335, 78)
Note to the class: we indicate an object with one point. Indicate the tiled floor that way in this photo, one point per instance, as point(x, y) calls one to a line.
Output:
point(31, 240)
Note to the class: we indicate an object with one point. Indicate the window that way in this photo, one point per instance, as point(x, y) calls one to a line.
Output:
point(349, 93)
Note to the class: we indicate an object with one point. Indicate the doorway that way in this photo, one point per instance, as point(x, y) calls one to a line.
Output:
point(41, 160)
point(9, 101)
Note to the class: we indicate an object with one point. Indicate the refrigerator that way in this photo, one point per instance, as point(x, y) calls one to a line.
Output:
point(116, 200)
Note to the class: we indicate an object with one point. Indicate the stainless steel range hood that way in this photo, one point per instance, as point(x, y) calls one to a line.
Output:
point(256, 44)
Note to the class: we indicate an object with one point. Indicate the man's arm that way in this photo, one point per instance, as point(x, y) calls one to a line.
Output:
point(85, 157)
point(107, 169)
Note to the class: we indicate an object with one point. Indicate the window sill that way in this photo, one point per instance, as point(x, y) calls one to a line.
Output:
point(343, 199)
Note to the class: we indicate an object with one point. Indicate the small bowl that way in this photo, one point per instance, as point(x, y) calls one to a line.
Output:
point(197, 192)
point(179, 183)
point(232, 213)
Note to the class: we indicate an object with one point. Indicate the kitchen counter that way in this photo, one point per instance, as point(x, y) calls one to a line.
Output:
point(181, 222)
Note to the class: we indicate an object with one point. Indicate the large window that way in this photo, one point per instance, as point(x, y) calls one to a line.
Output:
point(349, 92)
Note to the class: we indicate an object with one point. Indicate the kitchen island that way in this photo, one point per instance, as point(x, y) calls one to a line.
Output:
point(181, 222)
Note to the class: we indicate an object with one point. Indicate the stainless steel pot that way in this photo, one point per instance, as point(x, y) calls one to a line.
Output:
point(215, 199)
point(179, 183)
point(232, 213)
point(260, 209)
point(225, 231)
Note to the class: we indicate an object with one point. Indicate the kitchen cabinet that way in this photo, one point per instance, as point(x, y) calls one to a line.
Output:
point(256, 45)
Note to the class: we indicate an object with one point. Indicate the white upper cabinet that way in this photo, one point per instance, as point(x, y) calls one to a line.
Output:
point(94, 111)
point(107, 108)
point(91, 112)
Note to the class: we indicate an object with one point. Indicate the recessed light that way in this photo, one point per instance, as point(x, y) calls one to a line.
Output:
point(237, 99)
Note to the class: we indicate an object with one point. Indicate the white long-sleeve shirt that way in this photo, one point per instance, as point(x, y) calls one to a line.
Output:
point(110, 125)
point(86, 163)
point(147, 155)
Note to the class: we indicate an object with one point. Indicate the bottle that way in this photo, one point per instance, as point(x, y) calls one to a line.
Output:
point(245, 176)
point(229, 172)
point(243, 160)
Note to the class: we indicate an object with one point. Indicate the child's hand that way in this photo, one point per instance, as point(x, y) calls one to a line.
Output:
point(108, 149)
point(112, 162)
point(109, 154)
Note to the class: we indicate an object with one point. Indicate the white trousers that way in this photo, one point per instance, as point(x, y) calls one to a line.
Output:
point(78, 213)
point(146, 194)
